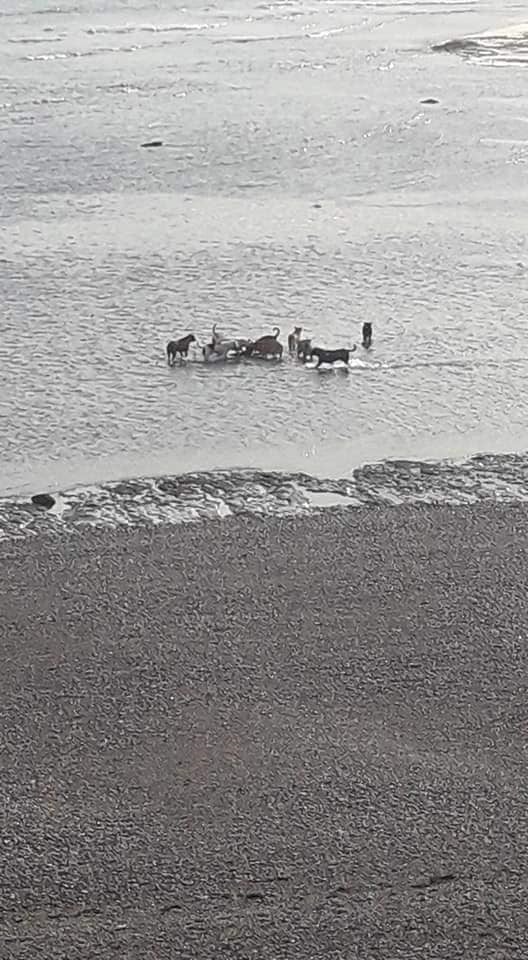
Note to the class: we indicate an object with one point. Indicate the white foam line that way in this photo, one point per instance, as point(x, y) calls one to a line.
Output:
point(147, 28)
point(328, 33)
point(48, 39)
point(501, 141)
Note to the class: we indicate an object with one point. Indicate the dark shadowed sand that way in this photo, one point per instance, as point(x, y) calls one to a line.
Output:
point(281, 739)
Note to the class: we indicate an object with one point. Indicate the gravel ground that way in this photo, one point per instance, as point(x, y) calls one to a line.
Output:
point(281, 739)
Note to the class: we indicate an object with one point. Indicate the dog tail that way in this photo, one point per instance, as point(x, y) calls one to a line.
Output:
point(276, 333)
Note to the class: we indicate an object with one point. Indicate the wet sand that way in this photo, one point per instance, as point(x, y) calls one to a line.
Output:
point(280, 739)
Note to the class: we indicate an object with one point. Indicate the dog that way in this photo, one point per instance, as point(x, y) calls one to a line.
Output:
point(304, 350)
point(266, 346)
point(366, 333)
point(294, 340)
point(221, 348)
point(244, 347)
point(179, 348)
point(216, 337)
point(331, 356)
point(209, 351)
point(225, 349)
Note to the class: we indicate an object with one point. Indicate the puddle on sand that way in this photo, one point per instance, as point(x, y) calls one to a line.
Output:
point(328, 499)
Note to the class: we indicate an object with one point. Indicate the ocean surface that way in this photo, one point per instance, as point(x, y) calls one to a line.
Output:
point(301, 181)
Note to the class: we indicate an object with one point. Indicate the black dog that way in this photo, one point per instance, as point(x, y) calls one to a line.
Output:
point(330, 356)
point(366, 333)
point(179, 348)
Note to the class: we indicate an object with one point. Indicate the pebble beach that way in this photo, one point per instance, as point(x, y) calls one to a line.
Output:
point(280, 738)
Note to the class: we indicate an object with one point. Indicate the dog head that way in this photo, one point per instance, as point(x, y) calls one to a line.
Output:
point(244, 347)
point(185, 341)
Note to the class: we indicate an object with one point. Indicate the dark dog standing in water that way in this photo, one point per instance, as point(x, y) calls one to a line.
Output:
point(267, 346)
point(179, 348)
point(366, 334)
point(331, 356)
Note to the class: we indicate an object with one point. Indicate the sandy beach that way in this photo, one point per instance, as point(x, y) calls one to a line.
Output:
point(298, 738)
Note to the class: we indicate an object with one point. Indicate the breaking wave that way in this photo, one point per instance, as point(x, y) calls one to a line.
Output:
point(508, 45)
point(194, 497)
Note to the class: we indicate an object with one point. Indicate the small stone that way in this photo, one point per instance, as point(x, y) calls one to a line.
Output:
point(430, 100)
point(43, 500)
point(153, 143)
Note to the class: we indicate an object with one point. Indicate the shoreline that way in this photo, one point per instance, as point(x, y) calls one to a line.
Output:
point(329, 461)
point(227, 494)
point(296, 738)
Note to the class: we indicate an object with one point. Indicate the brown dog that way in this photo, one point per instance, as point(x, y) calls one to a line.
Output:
point(179, 348)
point(267, 346)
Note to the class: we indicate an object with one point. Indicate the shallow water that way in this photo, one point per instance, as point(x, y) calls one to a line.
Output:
point(301, 181)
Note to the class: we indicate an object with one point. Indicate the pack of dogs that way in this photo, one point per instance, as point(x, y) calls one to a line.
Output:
point(265, 347)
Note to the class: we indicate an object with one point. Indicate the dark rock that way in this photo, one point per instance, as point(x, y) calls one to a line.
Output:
point(430, 100)
point(153, 143)
point(43, 500)
point(434, 881)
